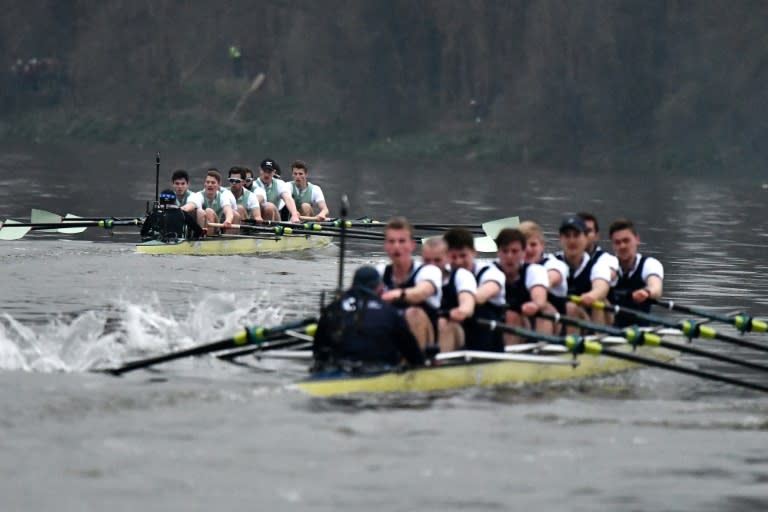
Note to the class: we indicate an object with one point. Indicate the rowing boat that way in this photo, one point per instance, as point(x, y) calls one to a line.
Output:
point(230, 245)
point(483, 369)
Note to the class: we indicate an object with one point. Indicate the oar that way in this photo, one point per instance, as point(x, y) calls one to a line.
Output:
point(691, 328)
point(286, 230)
point(579, 345)
point(637, 336)
point(249, 336)
point(742, 321)
point(13, 230)
point(281, 341)
point(46, 217)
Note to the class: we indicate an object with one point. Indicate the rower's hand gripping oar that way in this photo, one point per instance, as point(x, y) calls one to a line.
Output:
point(742, 321)
point(691, 328)
point(578, 345)
point(637, 337)
point(249, 336)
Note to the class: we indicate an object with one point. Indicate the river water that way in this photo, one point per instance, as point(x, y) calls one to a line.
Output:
point(200, 433)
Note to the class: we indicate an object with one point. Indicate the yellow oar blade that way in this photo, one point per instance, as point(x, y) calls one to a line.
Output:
point(8, 232)
point(492, 228)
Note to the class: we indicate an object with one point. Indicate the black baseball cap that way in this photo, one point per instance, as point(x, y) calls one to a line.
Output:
point(366, 277)
point(269, 165)
point(573, 222)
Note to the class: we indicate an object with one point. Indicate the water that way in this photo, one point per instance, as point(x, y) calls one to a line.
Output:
point(201, 433)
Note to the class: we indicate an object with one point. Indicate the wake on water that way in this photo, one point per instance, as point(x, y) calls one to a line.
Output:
point(126, 330)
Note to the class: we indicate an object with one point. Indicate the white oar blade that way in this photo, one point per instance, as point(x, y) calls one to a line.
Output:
point(485, 244)
point(44, 217)
point(71, 231)
point(492, 228)
point(10, 233)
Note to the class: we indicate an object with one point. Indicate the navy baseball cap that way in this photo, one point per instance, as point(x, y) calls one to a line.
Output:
point(573, 222)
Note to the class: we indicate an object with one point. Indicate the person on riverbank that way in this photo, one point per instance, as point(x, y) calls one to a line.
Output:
point(640, 277)
point(248, 203)
point(414, 289)
point(489, 297)
point(361, 332)
point(458, 301)
point(308, 197)
point(279, 203)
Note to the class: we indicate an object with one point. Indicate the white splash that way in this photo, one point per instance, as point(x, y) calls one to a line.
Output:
point(127, 330)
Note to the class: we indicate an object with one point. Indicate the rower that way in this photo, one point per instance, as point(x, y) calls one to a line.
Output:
point(361, 332)
point(459, 289)
point(213, 204)
point(248, 203)
point(557, 270)
point(307, 196)
point(526, 285)
point(589, 278)
point(414, 289)
point(180, 182)
point(593, 244)
point(279, 204)
point(168, 223)
point(490, 296)
point(248, 179)
point(640, 277)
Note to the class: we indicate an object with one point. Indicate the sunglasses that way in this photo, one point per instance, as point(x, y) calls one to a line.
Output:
point(248, 180)
point(235, 180)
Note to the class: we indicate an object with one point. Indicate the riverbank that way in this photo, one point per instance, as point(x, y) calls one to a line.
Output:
point(474, 142)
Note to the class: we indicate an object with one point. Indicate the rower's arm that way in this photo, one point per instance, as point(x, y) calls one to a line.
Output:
point(418, 293)
point(290, 203)
point(228, 215)
point(555, 277)
point(599, 292)
point(487, 290)
point(653, 289)
point(466, 307)
point(323, 214)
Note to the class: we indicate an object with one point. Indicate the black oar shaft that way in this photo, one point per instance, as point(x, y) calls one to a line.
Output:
point(627, 356)
point(742, 322)
point(690, 328)
point(674, 346)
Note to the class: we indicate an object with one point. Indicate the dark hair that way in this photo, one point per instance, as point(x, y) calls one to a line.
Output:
point(508, 235)
point(180, 174)
point(399, 223)
point(236, 169)
point(300, 164)
point(620, 224)
point(586, 216)
point(214, 173)
point(459, 238)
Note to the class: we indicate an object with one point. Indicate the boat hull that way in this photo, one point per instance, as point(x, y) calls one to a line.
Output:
point(235, 245)
point(483, 374)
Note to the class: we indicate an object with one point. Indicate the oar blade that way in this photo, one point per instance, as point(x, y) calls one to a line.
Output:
point(485, 244)
point(44, 217)
point(71, 231)
point(8, 232)
point(492, 228)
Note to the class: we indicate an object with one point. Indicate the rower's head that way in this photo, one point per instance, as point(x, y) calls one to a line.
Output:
point(300, 173)
point(248, 178)
point(267, 170)
point(534, 241)
point(511, 244)
point(624, 238)
point(212, 181)
point(434, 251)
point(592, 230)
point(367, 278)
point(461, 248)
point(236, 179)
point(167, 197)
point(398, 240)
point(573, 235)
point(180, 181)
